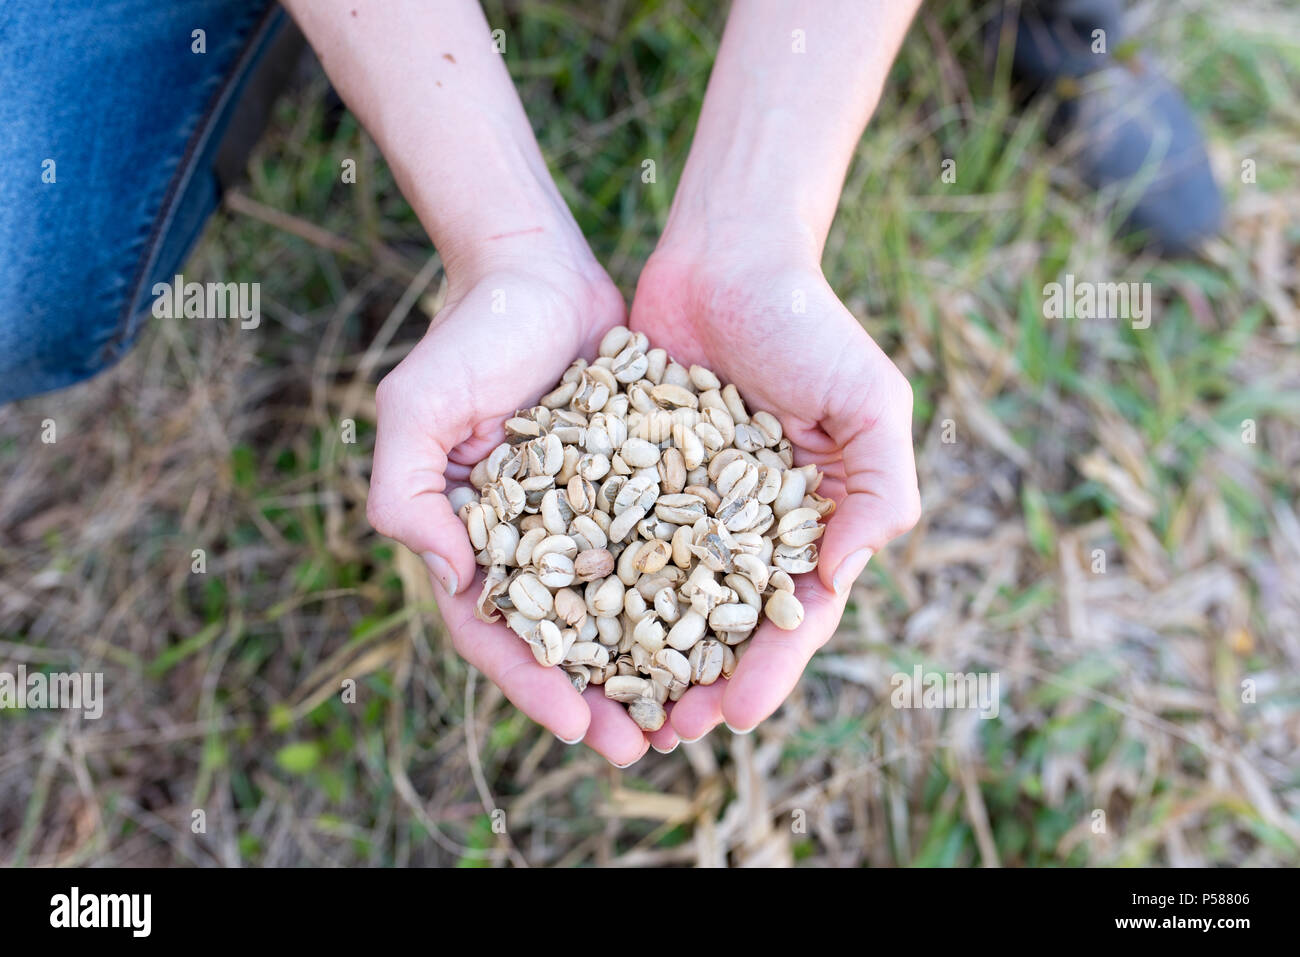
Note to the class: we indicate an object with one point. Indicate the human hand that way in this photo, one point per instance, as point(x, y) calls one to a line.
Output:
point(525, 297)
point(770, 323)
point(735, 284)
point(504, 339)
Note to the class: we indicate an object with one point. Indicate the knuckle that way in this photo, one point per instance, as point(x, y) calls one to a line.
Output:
point(387, 392)
point(906, 515)
point(902, 392)
point(381, 514)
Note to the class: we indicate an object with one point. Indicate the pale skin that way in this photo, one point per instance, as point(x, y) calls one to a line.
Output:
point(735, 284)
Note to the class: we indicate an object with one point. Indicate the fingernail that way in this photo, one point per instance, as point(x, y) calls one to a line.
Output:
point(690, 740)
point(623, 767)
point(669, 751)
point(850, 569)
point(441, 570)
point(738, 730)
point(566, 740)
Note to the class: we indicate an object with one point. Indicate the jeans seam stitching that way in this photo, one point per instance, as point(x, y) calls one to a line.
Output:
point(184, 172)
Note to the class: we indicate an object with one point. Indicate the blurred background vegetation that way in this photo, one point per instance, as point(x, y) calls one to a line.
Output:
point(1122, 690)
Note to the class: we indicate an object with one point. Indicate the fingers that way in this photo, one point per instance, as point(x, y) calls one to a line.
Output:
point(544, 694)
point(874, 483)
point(775, 659)
point(767, 673)
point(612, 733)
point(406, 500)
point(665, 740)
point(881, 499)
point(698, 711)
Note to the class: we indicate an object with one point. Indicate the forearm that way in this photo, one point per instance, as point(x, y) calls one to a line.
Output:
point(427, 84)
point(779, 127)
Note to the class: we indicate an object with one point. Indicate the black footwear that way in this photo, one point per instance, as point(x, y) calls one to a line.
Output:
point(1137, 135)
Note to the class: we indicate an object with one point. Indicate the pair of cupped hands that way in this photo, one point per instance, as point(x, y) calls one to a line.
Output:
point(760, 315)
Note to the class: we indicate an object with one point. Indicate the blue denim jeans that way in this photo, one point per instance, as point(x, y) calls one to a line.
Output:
point(110, 123)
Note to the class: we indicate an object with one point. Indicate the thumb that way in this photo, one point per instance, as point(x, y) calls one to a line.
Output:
point(407, 499)
point(882, 500)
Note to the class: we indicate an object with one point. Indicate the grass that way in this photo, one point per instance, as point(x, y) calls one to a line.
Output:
point(1097, 532)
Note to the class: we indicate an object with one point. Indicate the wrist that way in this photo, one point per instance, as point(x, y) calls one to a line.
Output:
point(744, 184)
point(540, 246)
point(491, 206)
point(719, 228)
point(553, 269)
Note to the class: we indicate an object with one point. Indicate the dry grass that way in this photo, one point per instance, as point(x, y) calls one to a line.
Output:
point(1121, 691)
